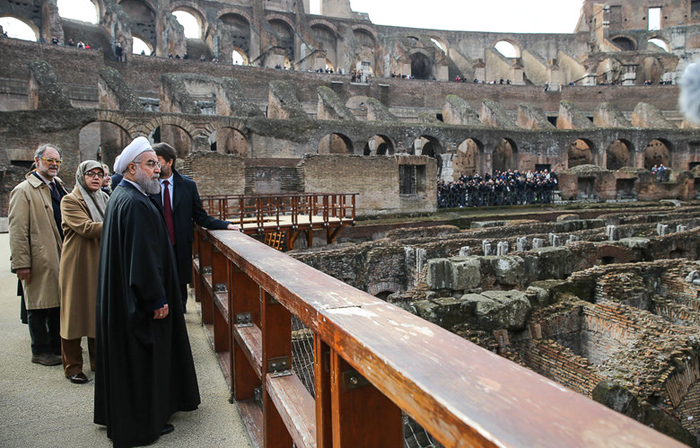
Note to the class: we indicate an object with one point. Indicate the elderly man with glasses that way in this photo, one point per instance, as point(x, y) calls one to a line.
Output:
point(35, 244)
point(144, 367)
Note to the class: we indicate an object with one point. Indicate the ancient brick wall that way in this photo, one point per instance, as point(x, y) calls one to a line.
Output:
point(560, 364)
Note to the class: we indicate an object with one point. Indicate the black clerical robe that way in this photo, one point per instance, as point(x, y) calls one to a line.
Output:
point(144, 369)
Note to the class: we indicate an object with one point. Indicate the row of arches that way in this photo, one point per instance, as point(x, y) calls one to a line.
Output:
point(470, 156)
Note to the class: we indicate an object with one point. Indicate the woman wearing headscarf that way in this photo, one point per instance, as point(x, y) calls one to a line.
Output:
point(83, 212)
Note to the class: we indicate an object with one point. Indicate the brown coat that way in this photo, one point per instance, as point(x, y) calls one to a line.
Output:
point(79, 263)
point(35, 242)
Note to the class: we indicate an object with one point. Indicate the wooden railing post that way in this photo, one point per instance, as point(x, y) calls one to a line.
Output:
point(219, 278)
point(205, 260)
point(322, 386)
point(245, 312)
point(276, 325)
point(361, 415)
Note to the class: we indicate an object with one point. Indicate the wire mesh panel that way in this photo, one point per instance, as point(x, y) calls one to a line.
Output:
point(303, 365)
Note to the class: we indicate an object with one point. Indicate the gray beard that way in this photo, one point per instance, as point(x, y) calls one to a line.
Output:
point(149, 185)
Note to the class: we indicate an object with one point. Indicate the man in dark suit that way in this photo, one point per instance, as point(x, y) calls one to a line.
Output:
point(182, 207)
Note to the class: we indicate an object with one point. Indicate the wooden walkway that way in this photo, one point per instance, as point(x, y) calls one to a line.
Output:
point(282, 218)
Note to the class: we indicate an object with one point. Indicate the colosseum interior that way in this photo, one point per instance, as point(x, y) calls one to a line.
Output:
point(599, 292)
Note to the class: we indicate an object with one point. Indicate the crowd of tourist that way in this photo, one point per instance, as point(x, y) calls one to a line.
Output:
point(500, 188)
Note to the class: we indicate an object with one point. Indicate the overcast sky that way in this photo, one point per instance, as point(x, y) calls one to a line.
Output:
point(520, 16)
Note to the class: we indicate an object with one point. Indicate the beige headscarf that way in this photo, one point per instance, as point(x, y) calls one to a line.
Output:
point(96, 200)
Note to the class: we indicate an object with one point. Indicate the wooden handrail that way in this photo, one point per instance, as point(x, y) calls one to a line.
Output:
point(458, 392)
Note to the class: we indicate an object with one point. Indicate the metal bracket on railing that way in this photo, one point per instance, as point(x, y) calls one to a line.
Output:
point(206, 270)
point(220, 287)
point(353, 380)
point(244, 320)
point(279, 366)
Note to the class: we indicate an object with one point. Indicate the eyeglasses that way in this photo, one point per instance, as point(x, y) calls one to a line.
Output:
point(95, 174)
point(150, 163)
point(51, 161)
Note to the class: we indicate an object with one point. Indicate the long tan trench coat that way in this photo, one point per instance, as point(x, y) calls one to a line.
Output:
point(79, 263)
point(35, 242)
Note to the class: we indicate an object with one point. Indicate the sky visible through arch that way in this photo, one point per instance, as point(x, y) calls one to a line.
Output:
point(518, 16)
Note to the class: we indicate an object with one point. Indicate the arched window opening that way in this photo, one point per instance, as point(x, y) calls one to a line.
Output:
point(18, 29)
point(467, 160)
point(658, 45)
point(230, 141)
point(335, 144)
point(625, 43)
point(104, 137)
point(580, 153)
point(618, 155)
point(421, 66)
point(177, 137)
point(81, 10)
point(439, 44)
point(505, 156)
point(507, 49)
point(239, 57)
point(141, 47)
point(193, 29)
point(657, 153)
point(379, 145)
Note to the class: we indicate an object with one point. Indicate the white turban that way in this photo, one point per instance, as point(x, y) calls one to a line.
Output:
point(131, 152)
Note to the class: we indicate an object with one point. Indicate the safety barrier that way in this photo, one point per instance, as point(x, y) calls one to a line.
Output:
point(372, 365)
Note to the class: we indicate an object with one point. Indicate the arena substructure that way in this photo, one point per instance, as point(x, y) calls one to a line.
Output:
point(607, 306)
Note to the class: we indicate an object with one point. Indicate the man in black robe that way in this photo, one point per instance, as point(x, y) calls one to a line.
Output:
point(145, 371)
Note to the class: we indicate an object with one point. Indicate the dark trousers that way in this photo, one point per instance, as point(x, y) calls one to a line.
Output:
point(183, 294)
point(73, 355)
point(44, 329)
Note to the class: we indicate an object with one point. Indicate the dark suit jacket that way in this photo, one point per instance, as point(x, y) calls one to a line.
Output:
point(187, 209)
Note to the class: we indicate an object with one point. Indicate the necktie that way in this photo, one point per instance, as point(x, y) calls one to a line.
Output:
point(168, 212)
point(54, 191)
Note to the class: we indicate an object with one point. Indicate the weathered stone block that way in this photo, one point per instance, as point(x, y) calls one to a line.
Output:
point(466, 273)
point(548, 262)
point(499, 309)
point(509, 271)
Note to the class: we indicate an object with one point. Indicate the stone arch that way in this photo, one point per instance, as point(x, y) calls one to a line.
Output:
point(422, 64)
point(658, 151)
point(110, 133)
point(327, 36)
point(235, 32)
point(609, 71)
point(145, 42)
point(174, 130)
point(468, 158)
point(581, 152)
point(440, 43)
point(236, 12)
point(335, 143)
point(651, 69)
point(366, 30)
point(625, 43)
point(516, 46)
point(324, 23)
point(427, 146)
point(283, 30)
point(143, 17)
point(197, 13)
point(25, 21)
point(660, 42)
point(229, 140)
point(619, 154)
point(505, 155)
point(379, 145)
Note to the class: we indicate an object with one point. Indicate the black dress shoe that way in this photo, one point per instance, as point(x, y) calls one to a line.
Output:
point(167, 429)
point(78, 378)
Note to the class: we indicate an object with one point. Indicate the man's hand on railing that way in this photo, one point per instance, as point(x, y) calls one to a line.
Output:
point(232, 227)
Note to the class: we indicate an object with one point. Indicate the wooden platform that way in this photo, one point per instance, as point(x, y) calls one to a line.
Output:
point(283, 218)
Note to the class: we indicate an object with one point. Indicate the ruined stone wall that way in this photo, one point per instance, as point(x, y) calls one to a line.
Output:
point(560, 364)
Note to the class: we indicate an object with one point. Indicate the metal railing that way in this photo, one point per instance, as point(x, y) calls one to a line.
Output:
point(374, 365)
